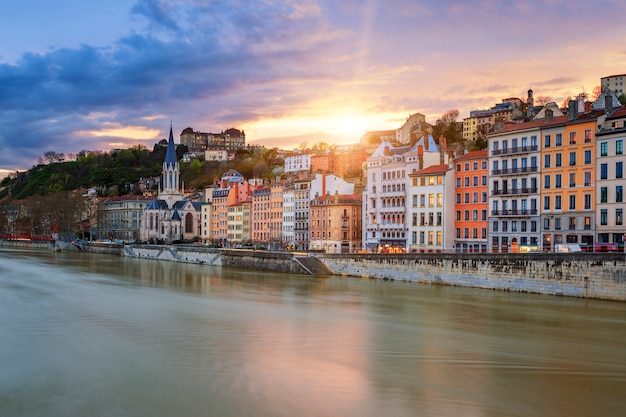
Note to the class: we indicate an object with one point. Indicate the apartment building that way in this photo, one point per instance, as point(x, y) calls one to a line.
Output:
point(514, 199)
point(298, 162)
point(120, 218)
point(335, 223)
point(610, 182)
point(431, 209)
point(615, 83)
point(471, 203)
point(385, 197)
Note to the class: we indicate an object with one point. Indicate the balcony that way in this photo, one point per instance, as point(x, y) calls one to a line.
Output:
point(515, 191)
point(516, 150)
point(514, 212)
point(513, 171)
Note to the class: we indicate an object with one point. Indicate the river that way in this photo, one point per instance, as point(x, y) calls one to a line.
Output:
point(97, 335)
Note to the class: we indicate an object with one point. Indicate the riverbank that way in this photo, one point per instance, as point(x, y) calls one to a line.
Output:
point(583, 275)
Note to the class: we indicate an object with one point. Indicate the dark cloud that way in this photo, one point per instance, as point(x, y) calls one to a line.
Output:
point(190, 60)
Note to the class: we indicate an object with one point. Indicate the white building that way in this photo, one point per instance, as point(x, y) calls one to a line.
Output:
point(289, 216)
point(298, 162)
point(431, 209)
point(385, 197)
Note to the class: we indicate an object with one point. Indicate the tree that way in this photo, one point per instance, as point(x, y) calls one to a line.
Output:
point(622, 99)
point(595, 94)
point(448, 126)
point(543, 100)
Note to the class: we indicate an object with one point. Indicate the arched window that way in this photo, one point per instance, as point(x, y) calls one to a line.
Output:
point(189, 223)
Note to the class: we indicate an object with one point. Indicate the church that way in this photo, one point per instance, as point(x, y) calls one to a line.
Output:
point(170, 217)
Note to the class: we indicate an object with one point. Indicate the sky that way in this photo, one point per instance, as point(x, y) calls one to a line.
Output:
point(78, 75)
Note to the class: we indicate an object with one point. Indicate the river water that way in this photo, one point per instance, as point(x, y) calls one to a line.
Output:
point(90, 335)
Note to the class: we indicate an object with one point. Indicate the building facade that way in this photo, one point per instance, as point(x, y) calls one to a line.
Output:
point(471, 203)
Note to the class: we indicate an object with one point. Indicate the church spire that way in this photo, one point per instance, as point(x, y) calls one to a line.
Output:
point(170, 154)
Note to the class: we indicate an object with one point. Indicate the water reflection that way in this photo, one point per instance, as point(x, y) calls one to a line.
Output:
point(101, 335)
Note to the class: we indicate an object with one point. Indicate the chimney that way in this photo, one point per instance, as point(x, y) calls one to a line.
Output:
point(323, 184)
point(426, 141)
point(442, 149)
point(549, 115)
point(581, 103)
point(420, 157)
point(608, 103)
point(572, 111)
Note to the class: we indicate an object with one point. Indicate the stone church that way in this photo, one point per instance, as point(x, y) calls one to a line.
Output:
point(170, 217)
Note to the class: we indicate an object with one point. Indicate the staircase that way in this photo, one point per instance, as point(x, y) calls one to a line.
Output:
point(313, 265)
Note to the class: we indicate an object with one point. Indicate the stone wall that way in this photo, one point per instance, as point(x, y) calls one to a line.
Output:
point(284, 262)
point(601, 276)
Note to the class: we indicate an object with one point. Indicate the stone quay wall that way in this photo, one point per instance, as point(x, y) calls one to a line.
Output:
point(588, 275)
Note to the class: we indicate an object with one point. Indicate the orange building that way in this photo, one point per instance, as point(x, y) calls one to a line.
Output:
point(349, 163)
point(568, 179)
point(335, 223)
point(471, 187)
point(322, 163)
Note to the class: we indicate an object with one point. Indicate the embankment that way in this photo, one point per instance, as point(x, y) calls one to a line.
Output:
point(588, 275)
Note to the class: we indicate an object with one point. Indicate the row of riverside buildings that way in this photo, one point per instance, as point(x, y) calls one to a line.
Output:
point(555, 176)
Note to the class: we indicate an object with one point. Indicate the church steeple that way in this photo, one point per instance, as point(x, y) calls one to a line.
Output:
point(170, 191)
point(170, 154)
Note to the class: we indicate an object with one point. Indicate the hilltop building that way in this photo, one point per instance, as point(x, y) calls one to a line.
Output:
point(199, 142)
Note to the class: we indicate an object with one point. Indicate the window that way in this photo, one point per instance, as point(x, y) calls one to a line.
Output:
point(439, 199)
point(619, 169)
point(604, 195)
point(546, 181)
point(495, 226)
point(475, 181)
point(557, 224)
point(484, 180)
point(572, 179)
point(546, 224)
point(475, 165)
point(458, 182)
point(604, 148)
point(458, 198)
point(483, 215)
point(546, 161)
point(604, 171)
point(546, 141)
point(619, 216)
point(475, 215)
point(484, 197)
point(604, 217)
point(619, 147)
point(546, 202)
point(619, 193)
point(557, 181)
point(475, 197)
point(467, 181)
point(572, 202)
point(558, 139)
point(572, 158)
point(587, 157)
point(588, 136)
point(572, 223)
point(557, 202)
point(587, 201)
point(467, 198)
point(572, 138)
point(558, 159)
point(484, 165)
point(467, 214)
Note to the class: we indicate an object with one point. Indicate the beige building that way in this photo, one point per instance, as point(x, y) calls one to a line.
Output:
point(336, 223)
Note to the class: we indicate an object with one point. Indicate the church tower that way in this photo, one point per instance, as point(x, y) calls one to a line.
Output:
point(170, 189)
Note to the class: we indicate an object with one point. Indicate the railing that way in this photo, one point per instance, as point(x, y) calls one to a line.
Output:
point(514, 191)
point(512, 171)
point(517, 149)
point(514, 212)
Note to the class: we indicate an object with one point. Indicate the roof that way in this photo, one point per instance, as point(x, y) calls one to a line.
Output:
point(433, 169)
point(158, 205)
point(473, 155)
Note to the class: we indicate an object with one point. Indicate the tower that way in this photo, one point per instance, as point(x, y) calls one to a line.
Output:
point(170, 190)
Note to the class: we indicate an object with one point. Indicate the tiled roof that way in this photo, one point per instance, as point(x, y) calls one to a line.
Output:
point(473, 155)
point(433, 169)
